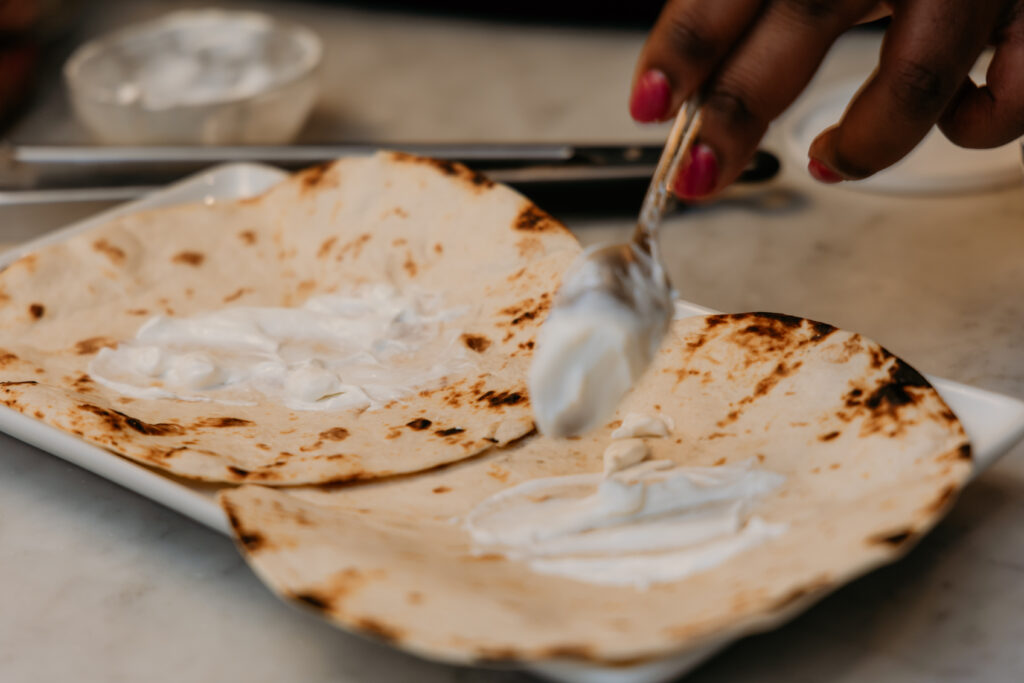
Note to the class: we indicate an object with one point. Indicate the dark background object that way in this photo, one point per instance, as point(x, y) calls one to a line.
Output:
point(631, 14)
point(621, 196)
point(28, 28)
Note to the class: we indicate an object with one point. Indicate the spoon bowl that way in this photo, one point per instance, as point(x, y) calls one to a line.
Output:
point(611, 312)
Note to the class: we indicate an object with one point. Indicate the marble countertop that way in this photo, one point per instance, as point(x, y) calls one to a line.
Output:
point(100, 584)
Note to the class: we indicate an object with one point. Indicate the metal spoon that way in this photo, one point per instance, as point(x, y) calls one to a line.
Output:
point(611, 312)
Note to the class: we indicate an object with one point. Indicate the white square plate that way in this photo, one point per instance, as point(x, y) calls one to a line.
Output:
point(993, 422)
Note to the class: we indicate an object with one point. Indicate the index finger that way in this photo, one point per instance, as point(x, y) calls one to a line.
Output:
point(690, 38)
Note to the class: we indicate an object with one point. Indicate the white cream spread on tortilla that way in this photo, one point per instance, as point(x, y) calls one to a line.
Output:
point(594, 346)
point(650, 523)
point(358, 350)
point(624, 453)
point(638, 424)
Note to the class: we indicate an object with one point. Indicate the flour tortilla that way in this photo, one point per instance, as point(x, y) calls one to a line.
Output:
point(872, 456)
point(392, 217)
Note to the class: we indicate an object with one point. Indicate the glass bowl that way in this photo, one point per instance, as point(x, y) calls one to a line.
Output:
point(210, 77)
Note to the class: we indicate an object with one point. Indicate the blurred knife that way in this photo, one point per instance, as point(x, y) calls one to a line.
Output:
point(44, 174)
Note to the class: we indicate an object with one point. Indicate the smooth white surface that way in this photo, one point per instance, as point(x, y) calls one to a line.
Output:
point(646, 524)
point(359, 348)
point(993, 422)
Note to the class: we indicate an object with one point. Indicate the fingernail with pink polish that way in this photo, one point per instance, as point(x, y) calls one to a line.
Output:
point(700, 175)
point(823, 173)
point(651, 97)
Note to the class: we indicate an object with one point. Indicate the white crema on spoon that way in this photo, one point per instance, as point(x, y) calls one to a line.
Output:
point(611, 312)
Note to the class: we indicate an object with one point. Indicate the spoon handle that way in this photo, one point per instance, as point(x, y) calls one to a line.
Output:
point(680, 140)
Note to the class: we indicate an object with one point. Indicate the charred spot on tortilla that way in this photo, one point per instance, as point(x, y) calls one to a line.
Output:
point(169, 453)
point(532, 218)
point(253, 542)
point(694, 345)
point(768, 383)
point(355, 247)
point(92, 345)
point(450, 431)
point(117, 421)
point(233, 520)
point(312, 600)
point(326, 245)
point(419, 423)
point(410, 266)
point(248, 237)
point(542, 307)
point(894, 538)
point(223, 422)
point(189, 258)
point(893, 394)
point(237, 294)
point(503, 398)
point(476, 342)
point(581, 653)
point(114, 253)
point(36, 310)
point(821, 330)
point(715, 320)
point(314, 175)
point(828, 437)
point(334, 434)
point(379, 630)
point(448, 168)
point(767, 330)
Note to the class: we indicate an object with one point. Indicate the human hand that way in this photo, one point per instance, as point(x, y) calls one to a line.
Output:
point(752, 58)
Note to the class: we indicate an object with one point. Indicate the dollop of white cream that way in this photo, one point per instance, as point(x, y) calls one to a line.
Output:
point(624, 453)
point(654, 522)
point(639, 424)
point(356, 350)
point(594, 346)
